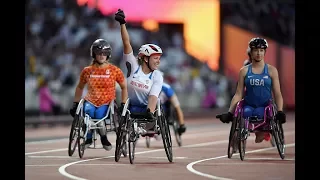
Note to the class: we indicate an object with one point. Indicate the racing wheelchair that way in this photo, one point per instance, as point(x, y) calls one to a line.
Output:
point(134, 125)
point(242, 127)
point(172, 117)
point(83, 123)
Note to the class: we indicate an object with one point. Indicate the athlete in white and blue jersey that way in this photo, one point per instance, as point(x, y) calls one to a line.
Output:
point(143, 78)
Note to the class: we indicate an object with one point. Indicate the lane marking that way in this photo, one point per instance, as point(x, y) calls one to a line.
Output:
point(140, 143)
point(54, 165)
point(62, 169)
point(54, 157)
point(191, 169)
point(47, 151)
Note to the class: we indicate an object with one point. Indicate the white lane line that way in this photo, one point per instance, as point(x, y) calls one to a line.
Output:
point(47, 151)
point(55, 165)
point(62, 169)
point(191, 169)
point(139, 142)
point(53, 157)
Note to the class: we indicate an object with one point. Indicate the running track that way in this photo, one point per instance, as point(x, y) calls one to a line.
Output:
point(203, 156)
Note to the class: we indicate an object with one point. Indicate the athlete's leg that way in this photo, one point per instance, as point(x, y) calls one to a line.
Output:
point(260, 136)
point(89, 109)
point(259, 112)
point(247, 111)
point(100, 113)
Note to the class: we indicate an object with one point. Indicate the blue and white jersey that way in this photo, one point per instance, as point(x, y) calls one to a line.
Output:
point(141, 85)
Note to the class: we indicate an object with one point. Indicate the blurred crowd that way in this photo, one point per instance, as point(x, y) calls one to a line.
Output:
point(59, 34)
point(273, 19)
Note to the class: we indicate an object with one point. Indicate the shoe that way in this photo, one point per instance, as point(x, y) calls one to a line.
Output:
point(267, 137)
point(88, 143)
point(105, 143)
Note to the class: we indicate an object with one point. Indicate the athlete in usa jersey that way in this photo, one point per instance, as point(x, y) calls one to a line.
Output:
point(260, 80)
point(143, 79)
point(168, 97)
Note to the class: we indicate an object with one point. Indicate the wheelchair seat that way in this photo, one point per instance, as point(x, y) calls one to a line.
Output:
point(255, 119)
point(141, 115)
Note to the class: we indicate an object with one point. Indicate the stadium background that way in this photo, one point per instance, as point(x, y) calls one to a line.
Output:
point(204, 41)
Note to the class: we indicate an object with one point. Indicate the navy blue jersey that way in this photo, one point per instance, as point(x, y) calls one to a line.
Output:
point(258, 87)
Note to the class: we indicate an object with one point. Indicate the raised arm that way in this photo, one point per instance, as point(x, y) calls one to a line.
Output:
point(120, 17)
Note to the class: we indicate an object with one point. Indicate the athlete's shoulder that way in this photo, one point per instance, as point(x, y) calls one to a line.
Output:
point(86, 69)
point(157, 74)
point(272, 69)
point(244, 69)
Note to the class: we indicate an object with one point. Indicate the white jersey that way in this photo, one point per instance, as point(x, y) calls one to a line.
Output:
point(141, 85)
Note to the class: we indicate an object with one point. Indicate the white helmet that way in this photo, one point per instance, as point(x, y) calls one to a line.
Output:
point(149, 49)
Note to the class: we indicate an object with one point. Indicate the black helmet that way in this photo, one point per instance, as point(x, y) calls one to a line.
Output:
point(100, 46)
point(258, 43)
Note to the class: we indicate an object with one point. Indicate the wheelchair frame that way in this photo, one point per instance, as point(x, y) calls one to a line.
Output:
point(242, 127)
point(173, 122)
point(128, 128)
point(83, 123)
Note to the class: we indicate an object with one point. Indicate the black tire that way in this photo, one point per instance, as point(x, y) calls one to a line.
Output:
point(175, 127)
point(166, 136)
point(132, 140)
point(278, 135)
point(72, 135)
point(233, 138)
point(121, 138)
point(148, 141)
point(81, 145)
point(242, 139)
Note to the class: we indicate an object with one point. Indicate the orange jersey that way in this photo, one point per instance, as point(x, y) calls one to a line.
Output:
point(101, 83)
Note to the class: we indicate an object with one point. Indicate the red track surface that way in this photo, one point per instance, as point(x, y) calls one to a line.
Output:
point(206, 139)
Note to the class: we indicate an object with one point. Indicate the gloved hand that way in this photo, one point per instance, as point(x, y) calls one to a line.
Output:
point(150, 115)
point(281, 117)
point(120, 17)
point(73, 110)
point(121, 108)
point(225, 117)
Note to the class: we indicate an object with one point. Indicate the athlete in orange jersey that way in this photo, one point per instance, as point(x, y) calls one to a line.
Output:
point(101, 78)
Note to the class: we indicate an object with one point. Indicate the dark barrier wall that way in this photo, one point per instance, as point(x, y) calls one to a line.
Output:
point(235, 44)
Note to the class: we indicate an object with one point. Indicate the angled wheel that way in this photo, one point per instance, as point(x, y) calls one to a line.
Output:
point(148, 141)
point(166, 136)
point(278, 135)
point(80, 138)
point(72, 136)
point(242, 138)
point(121, 138)
point(132, 140)
point(233, 136)
point(175, 127)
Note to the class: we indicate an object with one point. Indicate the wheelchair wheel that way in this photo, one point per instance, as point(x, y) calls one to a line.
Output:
point(166, 137)
point(233, 138)
point(81, 139)
point(175, 126)
point(148, 141)
point(242, 138)
point(72, 136)
point(121, 145)
point(278, 135)
point(132, 140)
